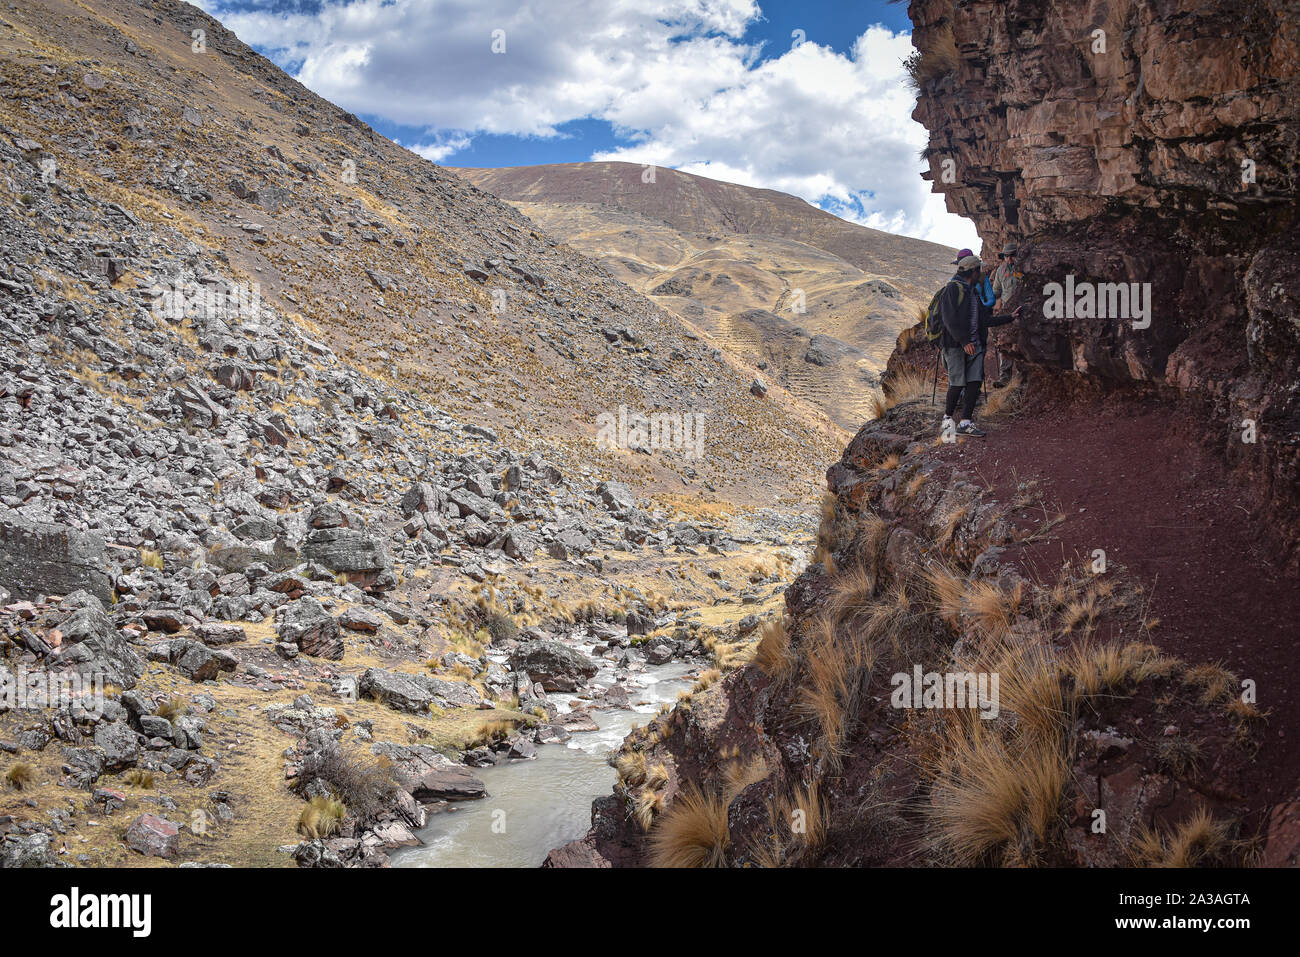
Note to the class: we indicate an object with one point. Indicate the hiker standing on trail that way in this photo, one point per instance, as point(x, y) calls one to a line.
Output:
point(1002, 284)
point(966, 322)
point(1006, 277)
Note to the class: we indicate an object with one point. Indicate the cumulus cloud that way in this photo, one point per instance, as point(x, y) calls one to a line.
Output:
point(436, 152)
point(675, 78)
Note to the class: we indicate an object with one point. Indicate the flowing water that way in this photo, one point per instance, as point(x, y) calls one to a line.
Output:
point(536, 805)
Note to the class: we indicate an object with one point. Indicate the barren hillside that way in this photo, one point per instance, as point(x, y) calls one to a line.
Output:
point(321, 481)
point(816, 300)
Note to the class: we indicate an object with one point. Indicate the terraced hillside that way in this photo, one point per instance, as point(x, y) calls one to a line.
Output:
point(812, 300)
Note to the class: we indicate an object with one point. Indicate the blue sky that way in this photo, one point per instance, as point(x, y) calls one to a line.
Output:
point(806, 97)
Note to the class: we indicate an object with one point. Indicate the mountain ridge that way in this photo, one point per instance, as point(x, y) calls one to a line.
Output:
point(812, 301)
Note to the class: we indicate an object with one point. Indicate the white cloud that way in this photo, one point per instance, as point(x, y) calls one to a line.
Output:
point(436, 152)
point(674, 77)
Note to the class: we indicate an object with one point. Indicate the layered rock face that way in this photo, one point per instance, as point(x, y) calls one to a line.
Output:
point(1150, 143)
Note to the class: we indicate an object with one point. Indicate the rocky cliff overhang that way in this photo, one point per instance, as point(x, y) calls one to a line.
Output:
point(1144, 155)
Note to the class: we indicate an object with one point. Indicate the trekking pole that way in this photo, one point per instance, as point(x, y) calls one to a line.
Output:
point(934, 390)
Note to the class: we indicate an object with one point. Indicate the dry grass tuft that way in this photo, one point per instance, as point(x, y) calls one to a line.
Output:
point(1003, 400)
point(321, 817)
point(657, 777)
point(631, 768)
point(774, 656)
point(1103, 668)
point(139, 778)
point(852, 592)
point(1200, 840)
point(936, 57)
point(648, 805)
point(739, 775)
point(836, 672)
point(829, 534)
point(993, 608)
point(491, 732)
point(995, 800)
point(19, 775)
point(171, 708)
point(798, 825)
point(1179, 755)
point(948, 530)
point(692, 832)
point(945, 591)
point(1215, 681)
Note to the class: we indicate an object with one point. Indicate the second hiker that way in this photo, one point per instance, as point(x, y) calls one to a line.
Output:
point(966, 322)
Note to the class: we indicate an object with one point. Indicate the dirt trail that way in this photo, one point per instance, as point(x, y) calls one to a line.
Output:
point(1169, 515)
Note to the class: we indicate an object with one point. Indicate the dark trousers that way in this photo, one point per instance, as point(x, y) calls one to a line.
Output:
point(967, 394)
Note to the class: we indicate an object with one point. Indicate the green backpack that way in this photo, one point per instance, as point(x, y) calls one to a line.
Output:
point(933, 318)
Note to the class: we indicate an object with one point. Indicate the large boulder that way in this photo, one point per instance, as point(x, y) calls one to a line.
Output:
point(82, 767)
point(121, 745)
point(194, 659)
point(555, 666)
point(454, 783)
point(26, 850)
point(428, 775)
point(93, 646)
point(363, 558)
point(152, 836)
point(398, 690)
point(422, 497)
point(616, 495)
point(308, 625)
point(357, 618)
point(42, 558)
point(414, 693)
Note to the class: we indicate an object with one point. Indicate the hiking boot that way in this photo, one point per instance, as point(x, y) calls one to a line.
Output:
point(971, 429)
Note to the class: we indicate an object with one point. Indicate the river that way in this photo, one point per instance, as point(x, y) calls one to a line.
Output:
point(536, 805)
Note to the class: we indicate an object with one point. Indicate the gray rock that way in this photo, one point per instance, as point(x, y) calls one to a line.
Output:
point(153, 836)
point(455, 783)
point(616, 495)
point(402, 692)
point(153, 726)
point(348, 550)
point(40, 558)
point(555, 666)
point(26, 850)
point(357, 618)
point(121, 745)
point(82, 767)
point(194, 659)
point(660, 652)
point(93, 647)
point(217, 633)
point(414, 693)
point(307, 625)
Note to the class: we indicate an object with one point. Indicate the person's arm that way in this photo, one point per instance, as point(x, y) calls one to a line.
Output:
point(1004, 319)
